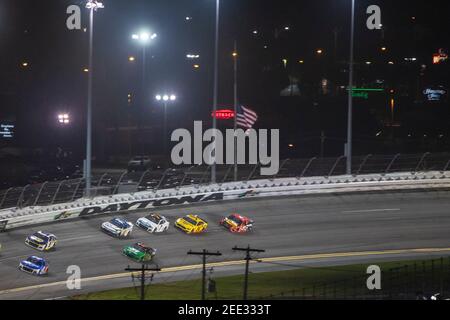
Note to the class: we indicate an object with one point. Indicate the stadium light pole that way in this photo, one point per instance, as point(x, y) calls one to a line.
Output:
point(216, 88)
point(144, 38)
point(64, 118)
point(350, 94)
point(235, 60)
point(91, 5)
point(165, 99)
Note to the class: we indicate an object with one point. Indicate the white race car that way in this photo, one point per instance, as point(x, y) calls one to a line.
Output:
point(154, 223)
point(41, 241)
point(118, 228)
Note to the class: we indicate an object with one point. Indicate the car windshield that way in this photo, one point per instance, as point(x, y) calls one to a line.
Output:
point(35, 260)
point(119, 223)
point(41, 236)
point(235, 219)
point(154, 218)
point(142, 248)
point(191, 221)
point(138, 247)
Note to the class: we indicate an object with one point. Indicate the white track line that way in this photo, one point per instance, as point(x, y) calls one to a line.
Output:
point(77, 238)
point(371, 210)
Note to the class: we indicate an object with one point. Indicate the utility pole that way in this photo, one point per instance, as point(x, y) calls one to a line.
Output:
point(204, 254)
point(247, 258)
point(143, 270)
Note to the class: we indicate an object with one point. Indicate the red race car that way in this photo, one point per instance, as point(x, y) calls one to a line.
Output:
point(236, 223)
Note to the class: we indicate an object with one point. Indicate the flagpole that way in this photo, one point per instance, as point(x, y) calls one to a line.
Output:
point(235, 55)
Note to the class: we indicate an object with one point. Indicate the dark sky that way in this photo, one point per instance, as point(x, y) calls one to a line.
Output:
point(34, 31)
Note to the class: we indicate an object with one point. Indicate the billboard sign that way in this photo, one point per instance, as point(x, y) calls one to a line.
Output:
point(223, 114)
point(435, 94)
point(7, 130)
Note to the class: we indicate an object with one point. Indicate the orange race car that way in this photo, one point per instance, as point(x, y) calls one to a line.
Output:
point(236, 223)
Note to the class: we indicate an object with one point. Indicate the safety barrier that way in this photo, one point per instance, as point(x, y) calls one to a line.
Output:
point(17, 217)
point(109, 183)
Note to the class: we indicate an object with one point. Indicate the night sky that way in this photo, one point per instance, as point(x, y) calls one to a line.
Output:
point(53, 82)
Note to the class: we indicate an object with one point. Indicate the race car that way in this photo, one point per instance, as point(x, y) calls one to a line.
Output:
point(236, 223)
point(139, 252)
point(118, 227)
point(34, 265)
point(191, 224)
point(153, 223)
point(41, 241)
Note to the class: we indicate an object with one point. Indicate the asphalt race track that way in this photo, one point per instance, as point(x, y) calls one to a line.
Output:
point(289, 226)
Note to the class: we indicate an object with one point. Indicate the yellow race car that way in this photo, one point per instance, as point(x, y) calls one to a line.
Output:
point(191, 224)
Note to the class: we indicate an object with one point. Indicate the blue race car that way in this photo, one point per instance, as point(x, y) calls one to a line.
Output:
point(34, 265)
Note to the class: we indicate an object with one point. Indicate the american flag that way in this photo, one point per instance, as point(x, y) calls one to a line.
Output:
point(245, 117)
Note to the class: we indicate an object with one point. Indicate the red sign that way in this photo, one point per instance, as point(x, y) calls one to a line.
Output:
point(224, 114)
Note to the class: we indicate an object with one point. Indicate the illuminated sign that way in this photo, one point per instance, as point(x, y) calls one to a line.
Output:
point(435, 94)
point(440, 57)
point(363, 93)
point(224, 114)
point(6, 131)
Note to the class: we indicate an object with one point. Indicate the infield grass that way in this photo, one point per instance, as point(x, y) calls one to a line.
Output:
point(330, 282)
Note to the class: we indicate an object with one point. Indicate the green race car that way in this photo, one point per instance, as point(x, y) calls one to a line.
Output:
point(139, 252)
